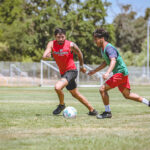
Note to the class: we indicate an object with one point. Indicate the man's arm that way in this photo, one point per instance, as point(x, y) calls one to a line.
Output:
point(47, 52)
point(78, 52)
point(103, 65)
point(111, 67)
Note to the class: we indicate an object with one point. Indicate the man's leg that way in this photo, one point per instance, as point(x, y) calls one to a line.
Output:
point(105, 97)
point(127, 94)
point(58, 88)
point(103, 91)
point(76, 94)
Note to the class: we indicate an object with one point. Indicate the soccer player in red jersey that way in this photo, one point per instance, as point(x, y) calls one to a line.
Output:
point(62, 51)
point(116, 65)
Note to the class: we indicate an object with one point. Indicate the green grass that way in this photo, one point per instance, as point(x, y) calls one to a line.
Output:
point(27, 123)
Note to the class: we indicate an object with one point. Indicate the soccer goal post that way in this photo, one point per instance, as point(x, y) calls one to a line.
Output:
point(50, 75)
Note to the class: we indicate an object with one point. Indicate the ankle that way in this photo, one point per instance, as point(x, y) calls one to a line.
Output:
point(91, 109)
point(145, 101)
point(107, 108)
point(62, 104)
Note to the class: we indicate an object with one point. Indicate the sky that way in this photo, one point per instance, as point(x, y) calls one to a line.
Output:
point(138, 6)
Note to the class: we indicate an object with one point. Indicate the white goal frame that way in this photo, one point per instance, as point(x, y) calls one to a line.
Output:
point(49, 64)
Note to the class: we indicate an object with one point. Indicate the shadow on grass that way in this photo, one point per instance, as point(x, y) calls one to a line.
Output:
point(48, 115)
point(60, 115)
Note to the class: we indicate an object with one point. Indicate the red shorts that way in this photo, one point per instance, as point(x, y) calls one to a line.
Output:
point(120, 81)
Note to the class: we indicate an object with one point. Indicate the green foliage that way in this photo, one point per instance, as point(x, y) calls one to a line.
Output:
point(27, 26)
point(80, 25)
point(130, 31)
point(29, 36)
point(94, 10)
point(130, 35)
point(136, 59)
point(4, 51)
point(147, 13)
point(10, 10)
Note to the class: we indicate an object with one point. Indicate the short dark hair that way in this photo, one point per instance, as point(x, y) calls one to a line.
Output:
point(100, 32)
point(60, 31)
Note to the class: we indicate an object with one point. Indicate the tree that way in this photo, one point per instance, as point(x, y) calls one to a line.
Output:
point(130, 31)
point(26, 34)
point(11, 10)
point(81, 23)
point(147, 14)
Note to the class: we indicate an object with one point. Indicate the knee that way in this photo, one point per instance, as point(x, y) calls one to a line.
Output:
point(126, 96)
point(102, 89)
point(57, 88)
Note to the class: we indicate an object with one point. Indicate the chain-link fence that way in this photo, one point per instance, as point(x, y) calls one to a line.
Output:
point(41, 74)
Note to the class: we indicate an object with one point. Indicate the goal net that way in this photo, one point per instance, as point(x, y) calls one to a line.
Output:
point(50, 75)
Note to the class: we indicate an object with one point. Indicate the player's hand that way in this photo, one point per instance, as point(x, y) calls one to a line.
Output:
point(47, 56)
point(91, 72)
point(105, 76)
point(83, 70)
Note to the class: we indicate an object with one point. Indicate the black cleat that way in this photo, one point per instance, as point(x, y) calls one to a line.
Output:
point(149, 104)
point(93, 113)
point(59, 109)
point(104, 115)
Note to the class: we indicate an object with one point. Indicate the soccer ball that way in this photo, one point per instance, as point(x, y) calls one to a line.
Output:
point(70, 112)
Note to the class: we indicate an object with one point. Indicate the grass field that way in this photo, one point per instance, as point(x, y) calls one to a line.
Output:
point(27, 123)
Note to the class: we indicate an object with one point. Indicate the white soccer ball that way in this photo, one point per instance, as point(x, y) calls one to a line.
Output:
point(70, 112)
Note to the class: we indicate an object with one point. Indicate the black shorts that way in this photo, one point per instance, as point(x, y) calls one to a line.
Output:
point(70, 76)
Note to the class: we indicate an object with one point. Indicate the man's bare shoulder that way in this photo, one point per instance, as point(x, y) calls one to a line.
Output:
point(50, 44)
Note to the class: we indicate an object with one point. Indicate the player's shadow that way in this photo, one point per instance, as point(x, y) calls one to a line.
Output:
point(40, 115)
point(60, 115)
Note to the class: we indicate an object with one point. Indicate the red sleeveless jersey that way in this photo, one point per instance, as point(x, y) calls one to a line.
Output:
point(63, 56)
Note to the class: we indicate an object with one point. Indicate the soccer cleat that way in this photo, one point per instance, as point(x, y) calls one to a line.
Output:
point(149, 104)
point(93, 113)
point(104, 115)
point(59, 109)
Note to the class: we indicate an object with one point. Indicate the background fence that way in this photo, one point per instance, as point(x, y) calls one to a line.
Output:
point(42, 74)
